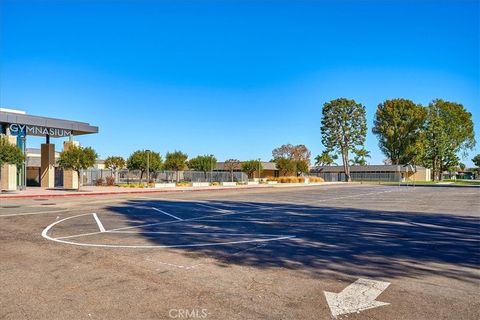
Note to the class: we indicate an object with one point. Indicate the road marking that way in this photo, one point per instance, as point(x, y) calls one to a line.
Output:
point(199, 233)
point(358, 296)
point(31, 213)
point(215, 208)
point(166, 213)
point(99, 223)
point(61, 239)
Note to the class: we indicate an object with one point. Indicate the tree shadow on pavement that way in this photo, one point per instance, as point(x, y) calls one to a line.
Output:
point(327, 240)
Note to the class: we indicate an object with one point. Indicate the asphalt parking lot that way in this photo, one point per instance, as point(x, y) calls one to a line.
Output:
point(344, 251)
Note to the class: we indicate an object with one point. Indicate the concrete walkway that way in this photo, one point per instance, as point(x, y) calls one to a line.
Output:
point(37, 192)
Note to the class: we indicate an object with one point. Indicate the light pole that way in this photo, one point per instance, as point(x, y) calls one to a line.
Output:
point(24, 169)
point(211, 168)
point(258, 169)
point(148, 166)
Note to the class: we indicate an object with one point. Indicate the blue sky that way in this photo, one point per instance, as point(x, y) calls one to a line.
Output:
point(231, 78)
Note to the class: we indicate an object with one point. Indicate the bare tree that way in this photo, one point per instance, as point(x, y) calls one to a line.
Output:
point(232, 165)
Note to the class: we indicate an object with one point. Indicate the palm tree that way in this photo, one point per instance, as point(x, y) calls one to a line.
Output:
point(325, 159)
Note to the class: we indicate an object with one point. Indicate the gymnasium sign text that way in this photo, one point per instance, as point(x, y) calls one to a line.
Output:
point(23, 129)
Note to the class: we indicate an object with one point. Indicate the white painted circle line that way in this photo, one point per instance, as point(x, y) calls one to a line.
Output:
point(60, 240)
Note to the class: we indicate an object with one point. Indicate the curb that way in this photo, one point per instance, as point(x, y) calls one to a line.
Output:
point(32, 196)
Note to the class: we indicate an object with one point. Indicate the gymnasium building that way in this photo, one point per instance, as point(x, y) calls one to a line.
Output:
point(39, 168)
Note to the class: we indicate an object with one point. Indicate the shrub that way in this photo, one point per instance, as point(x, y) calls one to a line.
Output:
point(99, 182)
point(316, 179)
point(215, 183)
point(183, 184)
point(290, 179)
point(110, 181)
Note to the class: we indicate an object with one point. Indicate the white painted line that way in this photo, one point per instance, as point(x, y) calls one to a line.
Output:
point(204, 218)
point(99, 223)
point(192, 245)
point(199, 233)
point(212, 207)
point(60, 240)
point(166, 213)
point(31, 213)
point(358, 296)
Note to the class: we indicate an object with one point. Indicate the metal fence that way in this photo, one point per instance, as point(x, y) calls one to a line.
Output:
point(360, 176)
point(91, 176)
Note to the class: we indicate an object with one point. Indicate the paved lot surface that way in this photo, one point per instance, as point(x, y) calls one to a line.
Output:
point(244, 254)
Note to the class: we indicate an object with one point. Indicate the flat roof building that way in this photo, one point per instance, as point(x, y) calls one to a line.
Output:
point(17, 125)
point(374, 173)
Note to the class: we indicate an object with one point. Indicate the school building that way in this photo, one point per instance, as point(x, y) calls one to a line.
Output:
point(39, 167)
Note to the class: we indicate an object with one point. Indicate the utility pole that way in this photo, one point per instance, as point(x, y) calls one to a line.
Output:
point(148, 166)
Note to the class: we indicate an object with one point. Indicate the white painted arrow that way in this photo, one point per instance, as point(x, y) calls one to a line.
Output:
point(357, 297)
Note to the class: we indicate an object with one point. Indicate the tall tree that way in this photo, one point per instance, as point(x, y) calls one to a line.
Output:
point(231, 165)
point(449, 131)
point(141, 158)
point(176, 161)
point(76, 159)
point(325, 159)
point(252, 166)
point(292, 159)
point(9, 154)
point(203, 163)
point(398, 125)
point(476, 160)
point(292, 152)
point(343, 129)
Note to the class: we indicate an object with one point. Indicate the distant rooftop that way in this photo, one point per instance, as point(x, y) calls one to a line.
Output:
point(367, 168)
point(265, 165)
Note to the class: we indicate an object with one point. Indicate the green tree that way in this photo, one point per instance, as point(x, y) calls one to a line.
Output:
point(476, 160)
point(231, 165)
point(285, 166)
point(325, 159)
point(449, 131)
point(176, 161)
point(203, 163)
point(301, 167)
point(343, 128)
point(139, 159)
point(292, 159)
point(252, 166)
point(360, 158)
point(9, 154)
point(399, 124)
point(76, 159)
point(114, 163)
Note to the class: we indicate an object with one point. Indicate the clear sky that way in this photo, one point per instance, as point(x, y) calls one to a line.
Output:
point(231, 78)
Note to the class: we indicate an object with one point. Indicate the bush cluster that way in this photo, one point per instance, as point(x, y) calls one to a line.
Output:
point(293, 179)
point(99, 182)
point(110, 181)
